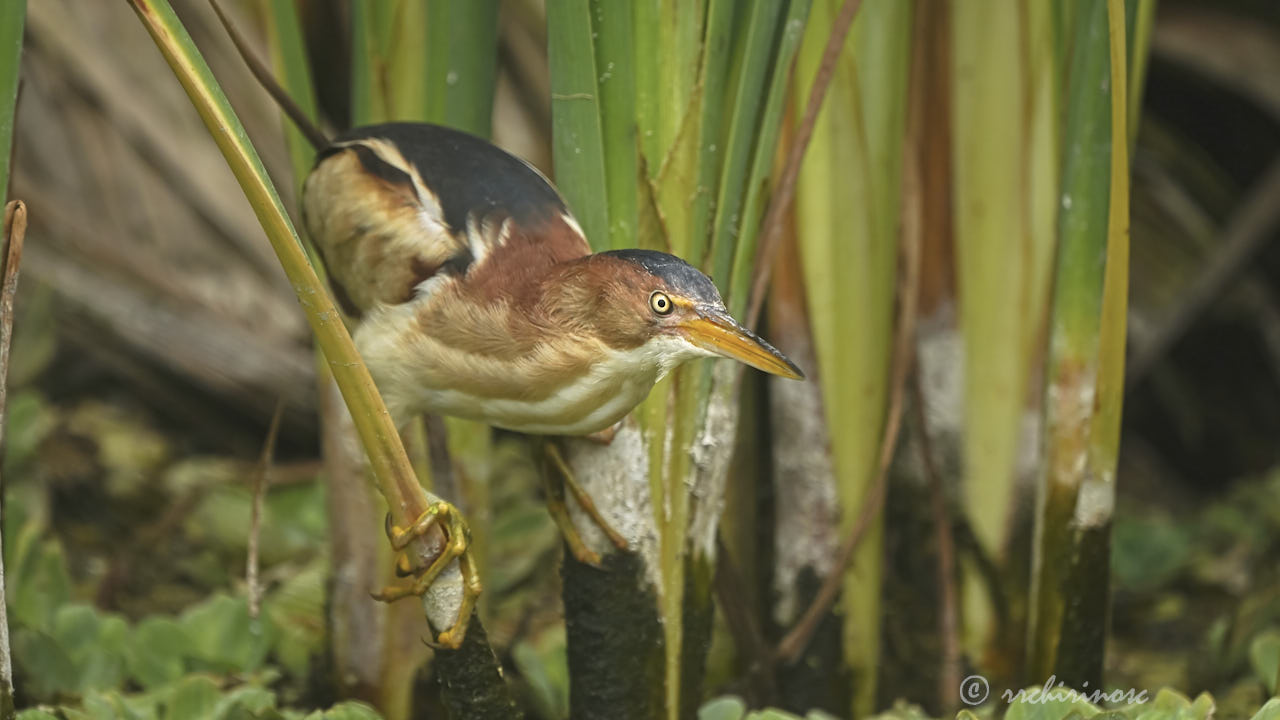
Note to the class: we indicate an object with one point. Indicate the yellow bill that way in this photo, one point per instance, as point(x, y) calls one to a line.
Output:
point(722, 335)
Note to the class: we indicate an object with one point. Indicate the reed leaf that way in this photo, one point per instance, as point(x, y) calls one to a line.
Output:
point(577, 136)
point(12, 21)
point(461, 68)
point(846, 225)
point(1076, 493)
point(289, 57)
point(1006, 168)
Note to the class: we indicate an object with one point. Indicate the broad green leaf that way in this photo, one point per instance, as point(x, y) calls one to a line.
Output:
point(350, 710)
point(156, 652)
point(1269, 711)
point(1264, 655)
point(1037, 703)
point(723, 708)
point(223, 636)
point(297, 610)
point(38, 580)
point(95, 643)
point(1173, 705)
point(46, 665)
point(193, 698)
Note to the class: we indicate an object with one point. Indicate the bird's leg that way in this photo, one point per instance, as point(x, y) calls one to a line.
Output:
point(558, 477)
point(457, 545)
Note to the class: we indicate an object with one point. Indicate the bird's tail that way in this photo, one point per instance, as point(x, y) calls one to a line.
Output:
point(264, 77)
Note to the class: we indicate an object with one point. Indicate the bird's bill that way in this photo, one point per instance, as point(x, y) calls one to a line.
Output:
point(720, 334)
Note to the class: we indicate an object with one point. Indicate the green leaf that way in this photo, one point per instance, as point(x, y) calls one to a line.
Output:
point(95, 643)
point(1148, 552)
point(349, 710)
point(577, 138)
point(38, 580)
point(30, 418)
point(461, 39)
point(1264, 656)
point(1173, 705)
point(12, 19)
point(36, 714)
point(156, 651)
point(223, 636)
point(772, 714)
point(1269, 711)
point(1035, 703)
point(723, 708)
point(194, 698)
point(545, 666)
point(47, 667)
point(297, 610)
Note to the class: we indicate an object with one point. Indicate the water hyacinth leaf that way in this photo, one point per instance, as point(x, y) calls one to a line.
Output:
point(723, 708)
point(195, 697)
point(39, 580)
point(1269, 711)
point(1049, 703)
point(1264, 656)
point(48, 667)
point(223, 636)
point(156, 651)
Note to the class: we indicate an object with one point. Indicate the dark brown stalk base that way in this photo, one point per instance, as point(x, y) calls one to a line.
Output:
point(471, 683)
point(617, 652)
point(819, 678)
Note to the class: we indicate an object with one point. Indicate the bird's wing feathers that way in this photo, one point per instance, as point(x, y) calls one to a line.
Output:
point(394, 208)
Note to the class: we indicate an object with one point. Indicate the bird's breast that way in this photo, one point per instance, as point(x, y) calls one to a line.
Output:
point(569, 386)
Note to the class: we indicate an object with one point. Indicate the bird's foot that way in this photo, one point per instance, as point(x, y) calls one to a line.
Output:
point(558, 477)
point(605, 436)
point(457, 546)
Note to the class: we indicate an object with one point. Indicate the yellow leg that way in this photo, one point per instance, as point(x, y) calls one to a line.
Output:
point(457, 545)
point(559, 477)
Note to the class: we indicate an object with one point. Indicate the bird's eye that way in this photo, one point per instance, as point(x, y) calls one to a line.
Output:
point(660, 303)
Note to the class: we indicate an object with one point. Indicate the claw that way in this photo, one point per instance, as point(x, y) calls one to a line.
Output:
point(458, 546)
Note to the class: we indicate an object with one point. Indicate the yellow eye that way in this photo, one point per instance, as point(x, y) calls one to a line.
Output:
point(661, 303)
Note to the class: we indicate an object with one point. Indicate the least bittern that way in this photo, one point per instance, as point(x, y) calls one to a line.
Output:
point(478, 296)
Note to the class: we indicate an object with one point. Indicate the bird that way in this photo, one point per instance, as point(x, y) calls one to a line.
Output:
point(476, 294)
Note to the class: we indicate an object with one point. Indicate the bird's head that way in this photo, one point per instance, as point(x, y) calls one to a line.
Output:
point(665, 310)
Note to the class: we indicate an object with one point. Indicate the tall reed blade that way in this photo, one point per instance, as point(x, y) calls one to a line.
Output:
point(1069, 597)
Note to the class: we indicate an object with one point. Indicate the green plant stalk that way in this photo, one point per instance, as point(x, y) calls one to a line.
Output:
point(739, 141)
point(578, 141)
point(289, 58)
point(846, 221)
point(13, 16)
point(615, 63)
point(368, 92)
point(390, 465)
point(1005, 158)
point(1085, 365)
point(462, 68)
point(1138, 51)
point(762, 164)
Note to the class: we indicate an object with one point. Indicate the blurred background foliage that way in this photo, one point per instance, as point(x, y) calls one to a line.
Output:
point(155, 334)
